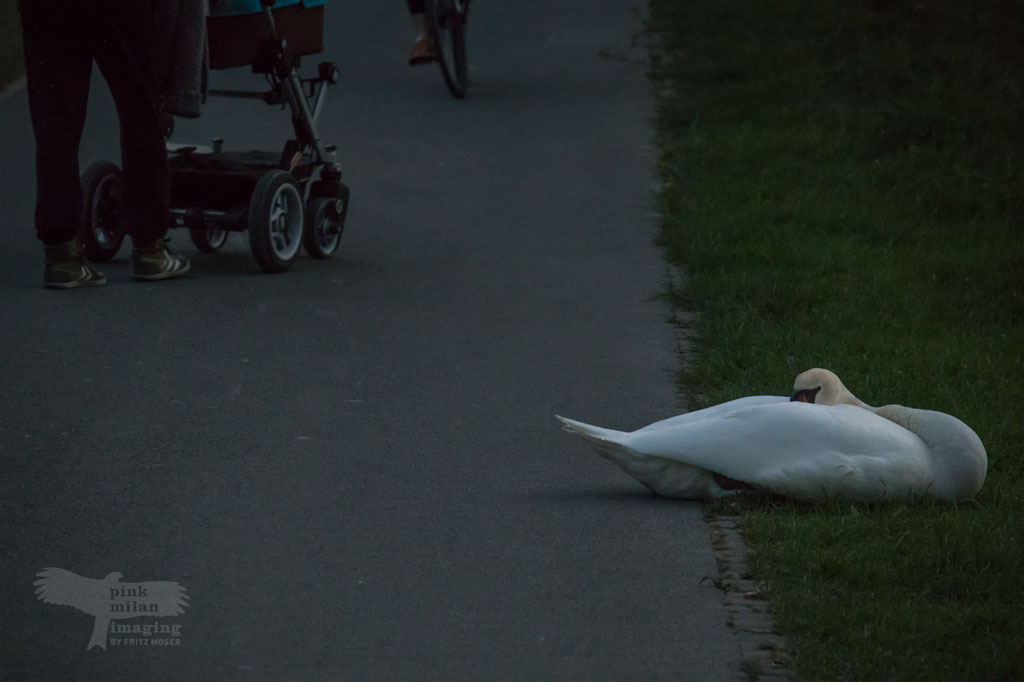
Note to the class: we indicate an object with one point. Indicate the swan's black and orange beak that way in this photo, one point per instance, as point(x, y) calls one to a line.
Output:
point(807, 395)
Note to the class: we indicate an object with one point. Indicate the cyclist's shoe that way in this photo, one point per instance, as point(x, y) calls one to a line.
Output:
point(153, 261)
point(421, 52)
point(66, 268)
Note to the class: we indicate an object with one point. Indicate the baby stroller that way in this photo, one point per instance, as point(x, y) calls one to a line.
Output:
point(285, 200)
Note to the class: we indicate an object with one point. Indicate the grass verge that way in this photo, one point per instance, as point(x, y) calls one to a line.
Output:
point(11, 59)
point(842, 185)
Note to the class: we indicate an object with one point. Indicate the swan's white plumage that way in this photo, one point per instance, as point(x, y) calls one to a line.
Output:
point(805, 451)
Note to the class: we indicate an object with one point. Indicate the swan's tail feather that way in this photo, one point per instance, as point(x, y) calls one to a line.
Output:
point(662, 476)
point(608, 442)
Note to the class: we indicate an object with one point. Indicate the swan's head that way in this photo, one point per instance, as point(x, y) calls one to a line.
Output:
point(822, 387)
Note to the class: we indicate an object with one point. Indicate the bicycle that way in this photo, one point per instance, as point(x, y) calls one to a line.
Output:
point(446, 20)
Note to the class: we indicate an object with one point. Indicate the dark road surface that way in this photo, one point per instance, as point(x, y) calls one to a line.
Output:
point(353, 467)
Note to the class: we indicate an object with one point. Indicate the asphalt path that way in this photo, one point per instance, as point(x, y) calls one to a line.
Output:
point(353, 467)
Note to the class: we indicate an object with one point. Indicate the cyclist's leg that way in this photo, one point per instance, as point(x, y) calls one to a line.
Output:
point(421, 51)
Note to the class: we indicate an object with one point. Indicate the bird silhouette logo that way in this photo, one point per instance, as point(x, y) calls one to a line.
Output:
point(109, 599)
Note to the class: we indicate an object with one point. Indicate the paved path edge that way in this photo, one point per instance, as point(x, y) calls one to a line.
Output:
point(763, 650)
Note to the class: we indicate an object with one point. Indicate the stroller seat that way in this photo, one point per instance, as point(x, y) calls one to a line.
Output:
point(238, 32)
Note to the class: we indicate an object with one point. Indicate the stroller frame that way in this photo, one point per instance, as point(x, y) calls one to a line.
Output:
point(284, 201)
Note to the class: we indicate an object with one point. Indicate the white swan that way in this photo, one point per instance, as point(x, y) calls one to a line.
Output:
point(820, 444)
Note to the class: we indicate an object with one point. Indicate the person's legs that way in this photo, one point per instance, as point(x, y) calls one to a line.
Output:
point(58, 65)
point(143, 150)
point(122, 58)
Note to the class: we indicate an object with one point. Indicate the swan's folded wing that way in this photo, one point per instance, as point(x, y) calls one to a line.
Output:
point(798, 450)
point(861, 478)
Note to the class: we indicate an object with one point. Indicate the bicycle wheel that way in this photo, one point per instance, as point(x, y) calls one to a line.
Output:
point(447, 20)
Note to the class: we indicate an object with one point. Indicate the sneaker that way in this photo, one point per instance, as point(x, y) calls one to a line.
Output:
point(153, 261)
point(421, 52)
point(66, 268)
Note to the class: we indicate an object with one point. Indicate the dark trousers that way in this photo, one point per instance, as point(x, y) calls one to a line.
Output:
point(62, 39)
point(417, 6)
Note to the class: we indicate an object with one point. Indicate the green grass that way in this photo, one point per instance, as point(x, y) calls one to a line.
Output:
point(843, 187)
point(11, 59)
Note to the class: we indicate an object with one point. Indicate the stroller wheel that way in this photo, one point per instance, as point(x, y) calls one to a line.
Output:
point(323, 227)
point(275, 221)
point(208, 240)
point(102, 228)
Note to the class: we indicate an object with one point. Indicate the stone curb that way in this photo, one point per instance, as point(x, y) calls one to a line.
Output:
point(762, 649)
